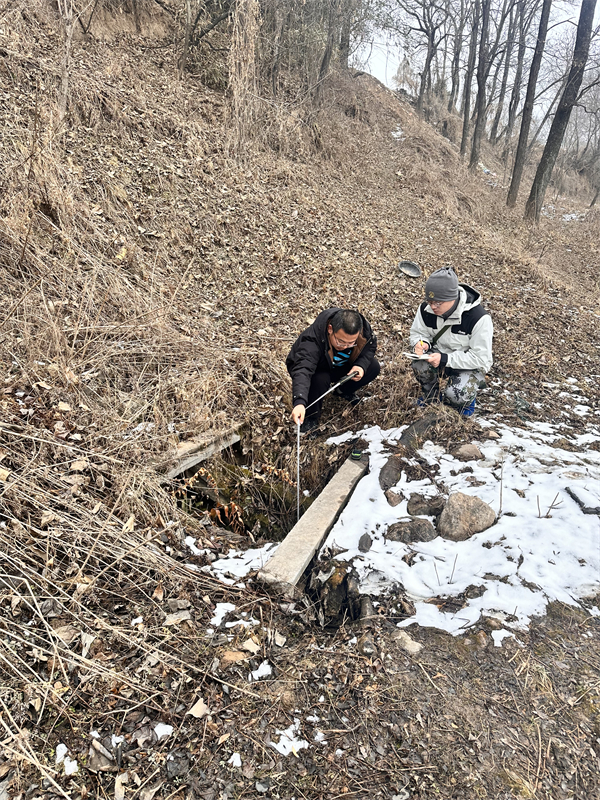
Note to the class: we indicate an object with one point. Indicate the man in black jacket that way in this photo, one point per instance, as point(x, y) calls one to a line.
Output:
point(338, 342)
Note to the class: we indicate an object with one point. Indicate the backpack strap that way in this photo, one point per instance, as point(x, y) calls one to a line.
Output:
point(439, 333)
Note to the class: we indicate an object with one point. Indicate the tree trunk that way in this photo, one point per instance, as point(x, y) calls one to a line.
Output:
point(326, 60)
point(563, 112)
point(482, 73)
point(469, 80)
point(425, 75)
point(593, 203)
point(346, 28)
point(515, 95)
point(186, 39)
point(459, 27)
point(517, 174)
point(65, 8)
point(504, 83)
point(136, 15)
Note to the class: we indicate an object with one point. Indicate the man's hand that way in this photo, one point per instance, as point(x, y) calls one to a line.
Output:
point(421, 348)
point(434, 359)
point(359, 373)
point(298, 414)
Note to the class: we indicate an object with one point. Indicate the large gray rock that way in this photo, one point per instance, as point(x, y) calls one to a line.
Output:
point(411, 530)
point(464, 516)
point(427, 506)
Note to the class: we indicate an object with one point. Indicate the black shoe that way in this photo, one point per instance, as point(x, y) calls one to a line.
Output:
point(309, 424)
point(353, 398)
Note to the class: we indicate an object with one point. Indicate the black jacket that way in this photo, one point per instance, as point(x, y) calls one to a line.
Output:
point(311, 352)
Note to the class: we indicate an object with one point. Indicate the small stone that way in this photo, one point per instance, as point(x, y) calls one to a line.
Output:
point(406, 642)
point(411, 530)
point(464, 516)
point(418, 505)
point(364, 543)
point(468, 452)
point(393, 498)
point(493, 623)
point(481, 640)
point(493, 435)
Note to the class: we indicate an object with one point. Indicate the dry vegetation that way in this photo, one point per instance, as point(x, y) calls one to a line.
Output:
point(152, 285)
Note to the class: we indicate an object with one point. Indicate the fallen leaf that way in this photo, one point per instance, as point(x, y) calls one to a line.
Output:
point(4, 474)
point(80, 465)
point(251, 646)
point(64, 406)
point(231, 657)
point(223, 738)
point(96, 508)
point(199, 709)
point(87, 639)
point(158, 593)
point(119, 790)
point(67, 633)
point(177, 617)
point(47, 518)
point(128, 527)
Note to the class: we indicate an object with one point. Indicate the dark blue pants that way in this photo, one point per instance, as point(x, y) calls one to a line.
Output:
point(322, 380)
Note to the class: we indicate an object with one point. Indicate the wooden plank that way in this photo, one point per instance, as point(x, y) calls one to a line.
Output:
point(203, 454)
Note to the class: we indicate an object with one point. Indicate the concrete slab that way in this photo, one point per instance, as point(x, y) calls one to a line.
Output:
point(296, 551)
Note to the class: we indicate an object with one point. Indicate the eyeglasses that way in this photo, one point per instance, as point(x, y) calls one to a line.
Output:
point(340, 344)
point(437, 303)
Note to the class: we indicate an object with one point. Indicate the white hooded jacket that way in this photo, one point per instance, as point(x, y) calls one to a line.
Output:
point(467, 344)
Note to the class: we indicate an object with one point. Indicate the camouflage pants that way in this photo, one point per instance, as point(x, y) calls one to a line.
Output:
point(460, 390)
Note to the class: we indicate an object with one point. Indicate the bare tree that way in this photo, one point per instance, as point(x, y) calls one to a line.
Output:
point(466, 104)
point(507, 64)
point(570, 95)
point(426, 18)
point(458, 21)
point(482, 73)
point(517, 173)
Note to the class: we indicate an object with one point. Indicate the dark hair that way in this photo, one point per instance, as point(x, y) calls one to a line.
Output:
point(349, 321)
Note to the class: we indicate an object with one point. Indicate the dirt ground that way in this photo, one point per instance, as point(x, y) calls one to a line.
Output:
point(153, 281)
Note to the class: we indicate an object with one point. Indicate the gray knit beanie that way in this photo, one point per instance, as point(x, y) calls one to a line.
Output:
point(442, 285)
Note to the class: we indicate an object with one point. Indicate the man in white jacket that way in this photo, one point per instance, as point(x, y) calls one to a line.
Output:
point(453, 333)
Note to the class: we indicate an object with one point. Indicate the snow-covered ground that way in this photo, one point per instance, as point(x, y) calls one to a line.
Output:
point(542, 547)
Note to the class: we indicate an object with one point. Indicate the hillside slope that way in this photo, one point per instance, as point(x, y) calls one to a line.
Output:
point(152, 285)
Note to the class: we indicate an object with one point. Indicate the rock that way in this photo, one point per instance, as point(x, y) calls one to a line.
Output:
point(463, 516)
point(406, 642)
point(467, 452)
point(493, 623)
point(493, 435)
point(390, 472)
point(365, 645)
point(481, 640)
point(415, 433)
point(364, 543)
point(393, 498)
point(427, 506)
point(411, 530)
